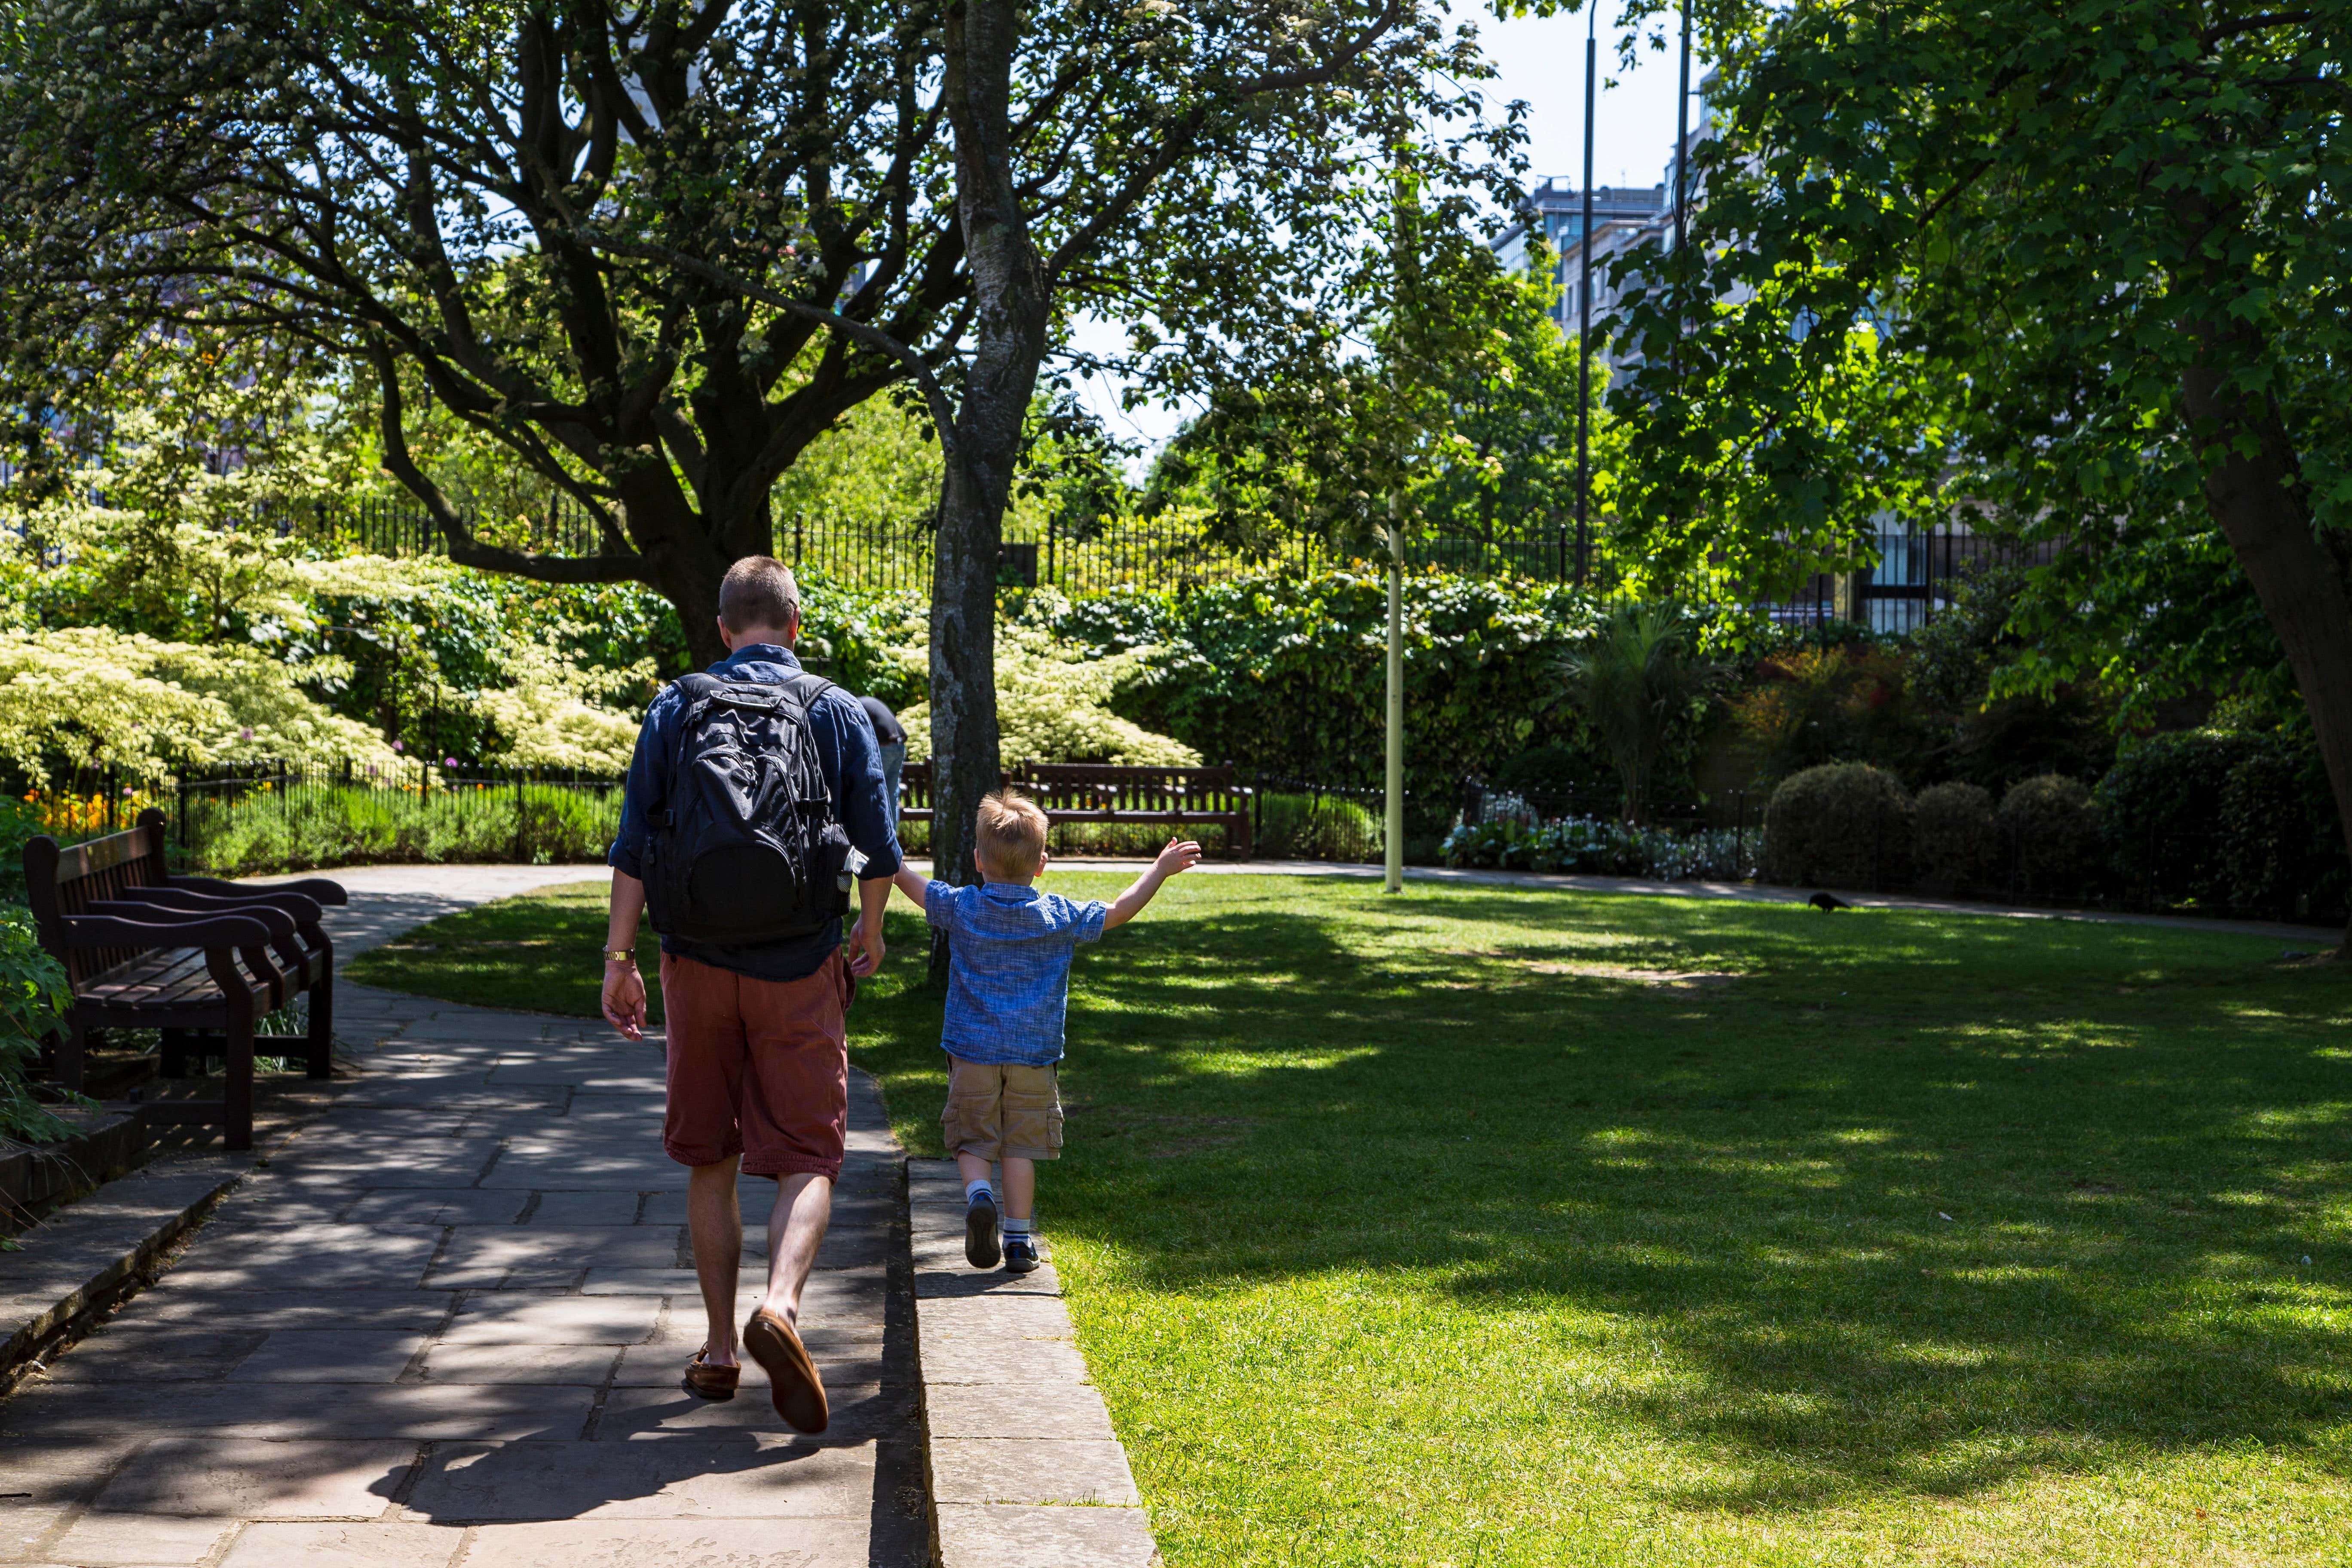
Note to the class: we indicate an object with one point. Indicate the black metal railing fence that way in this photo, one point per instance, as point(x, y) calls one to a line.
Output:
point(247, 819)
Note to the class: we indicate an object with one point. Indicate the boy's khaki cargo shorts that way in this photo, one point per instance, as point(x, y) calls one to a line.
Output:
point(999, 1110)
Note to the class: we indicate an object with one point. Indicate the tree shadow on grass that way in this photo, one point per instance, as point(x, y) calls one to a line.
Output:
point(2137, 1137)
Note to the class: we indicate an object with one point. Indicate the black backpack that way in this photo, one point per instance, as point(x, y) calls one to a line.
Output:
point(749, 848)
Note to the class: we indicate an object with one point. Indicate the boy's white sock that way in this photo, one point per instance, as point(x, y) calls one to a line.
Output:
point(1016, 1229)
point(975, 1191)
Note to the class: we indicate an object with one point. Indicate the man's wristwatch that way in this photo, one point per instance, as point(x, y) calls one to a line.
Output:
point(620, 955)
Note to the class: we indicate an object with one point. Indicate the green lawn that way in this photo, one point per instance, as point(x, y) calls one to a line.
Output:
point(1415, 1231)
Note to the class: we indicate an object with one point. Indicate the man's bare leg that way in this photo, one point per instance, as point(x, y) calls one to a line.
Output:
point(714, 1221)
point(795, 1229)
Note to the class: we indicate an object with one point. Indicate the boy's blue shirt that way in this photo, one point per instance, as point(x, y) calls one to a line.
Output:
point(1009, 951)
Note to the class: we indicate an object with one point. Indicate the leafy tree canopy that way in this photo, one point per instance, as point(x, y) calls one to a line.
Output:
point(653, 251)
point(2079, 273)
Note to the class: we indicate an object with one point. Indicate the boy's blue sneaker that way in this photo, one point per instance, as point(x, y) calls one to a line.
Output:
point(1020, 1254)
point(980, 1231)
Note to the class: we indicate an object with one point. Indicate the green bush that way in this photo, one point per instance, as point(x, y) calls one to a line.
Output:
point(2282, 850)
point(1286, 676)
point(1317, 827)
point(1954, 838)
point(2161, 807)
point(1842, 825)
point(2053, 827)
point(33, 992)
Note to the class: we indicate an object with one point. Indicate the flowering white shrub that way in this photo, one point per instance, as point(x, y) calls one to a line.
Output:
point(130, 701)
point(1053, 703)
point(550, 716)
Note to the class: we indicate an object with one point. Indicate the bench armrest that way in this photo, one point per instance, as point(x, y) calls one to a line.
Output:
point(116, 930)
point(277, 921)
point(319, 889)
point(304, 910)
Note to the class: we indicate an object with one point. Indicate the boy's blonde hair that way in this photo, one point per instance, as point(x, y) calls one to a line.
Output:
point(1011, 837)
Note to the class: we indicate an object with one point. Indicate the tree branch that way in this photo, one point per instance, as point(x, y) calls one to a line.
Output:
point(935, 397)
point(465, 549)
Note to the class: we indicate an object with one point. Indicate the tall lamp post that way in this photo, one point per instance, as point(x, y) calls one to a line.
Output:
point(1584, 308)
point(1682, 139)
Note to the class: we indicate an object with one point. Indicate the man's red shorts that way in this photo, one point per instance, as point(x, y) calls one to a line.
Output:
point(758, 1067)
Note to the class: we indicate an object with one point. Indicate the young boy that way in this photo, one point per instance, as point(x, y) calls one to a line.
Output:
point(1009, 949)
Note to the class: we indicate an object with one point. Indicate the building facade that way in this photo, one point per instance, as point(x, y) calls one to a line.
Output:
point(1553, 213)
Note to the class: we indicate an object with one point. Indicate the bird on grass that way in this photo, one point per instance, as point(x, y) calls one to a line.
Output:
point(1825, 902)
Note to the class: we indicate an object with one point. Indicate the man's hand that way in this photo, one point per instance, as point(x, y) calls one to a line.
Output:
point(1179, 855)
point(865, 936)
point(865, 940)
point(625, 998)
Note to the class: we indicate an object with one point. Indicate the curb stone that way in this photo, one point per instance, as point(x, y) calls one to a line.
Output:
point(75, 1260)
point(1025, 1468)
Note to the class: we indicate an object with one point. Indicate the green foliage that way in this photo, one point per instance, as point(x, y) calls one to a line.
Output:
point(1286, 675)
point(1317, 827)
point(1842, 824)
point(1637, 686)
point(1560, 768)
point(2232, 819)
point(859, 639)
point(33, 996)
point(1053, 696)
point(2162, 803)
point(2053, 827)
point(1989, 728)
point(1811, 706)
point(1603, 846)
point(2281, 847)
point(1954, 838)
point(318, 826)
point(878, 463)
point(1468, 420)
point(2054, 267)
point(88, 697)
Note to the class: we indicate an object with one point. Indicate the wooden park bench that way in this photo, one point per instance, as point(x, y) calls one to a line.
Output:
point(1100, 791)
point(200, 960)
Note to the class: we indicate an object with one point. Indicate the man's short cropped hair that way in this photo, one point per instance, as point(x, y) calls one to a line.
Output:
point(1012, 834)
point(759, 591)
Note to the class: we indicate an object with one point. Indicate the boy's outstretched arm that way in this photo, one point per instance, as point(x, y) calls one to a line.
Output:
point(1180, 854)
point(911, 882)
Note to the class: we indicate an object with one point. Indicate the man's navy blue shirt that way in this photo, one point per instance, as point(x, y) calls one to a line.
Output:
point(846, 754)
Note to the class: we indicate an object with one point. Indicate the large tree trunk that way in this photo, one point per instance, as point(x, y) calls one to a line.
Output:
point(2256, 501)
point(1010, 291)
point(2255, 494)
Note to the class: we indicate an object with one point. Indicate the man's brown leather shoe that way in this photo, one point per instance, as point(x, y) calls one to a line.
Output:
point(792, 1382)
point(708, 1382)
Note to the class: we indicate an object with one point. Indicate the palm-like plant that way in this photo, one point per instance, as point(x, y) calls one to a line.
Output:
point(1630, 680)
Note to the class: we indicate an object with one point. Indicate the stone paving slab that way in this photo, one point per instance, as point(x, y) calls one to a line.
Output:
point(1025, 1470)
point(401, 1344)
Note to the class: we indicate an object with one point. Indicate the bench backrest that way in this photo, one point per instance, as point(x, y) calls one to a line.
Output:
point(1065, 787)
point(1105, 792)
point(61, 881)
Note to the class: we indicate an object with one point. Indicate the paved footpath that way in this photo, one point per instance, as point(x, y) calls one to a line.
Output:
point(445, 1327)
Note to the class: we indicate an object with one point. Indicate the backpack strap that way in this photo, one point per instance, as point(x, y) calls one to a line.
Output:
point(807, 688)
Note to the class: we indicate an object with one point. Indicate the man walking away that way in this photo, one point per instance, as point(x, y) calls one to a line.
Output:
point(893, 737)
point(755, 794)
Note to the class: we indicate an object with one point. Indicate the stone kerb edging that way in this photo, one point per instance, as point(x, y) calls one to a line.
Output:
point(1025, 1470)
